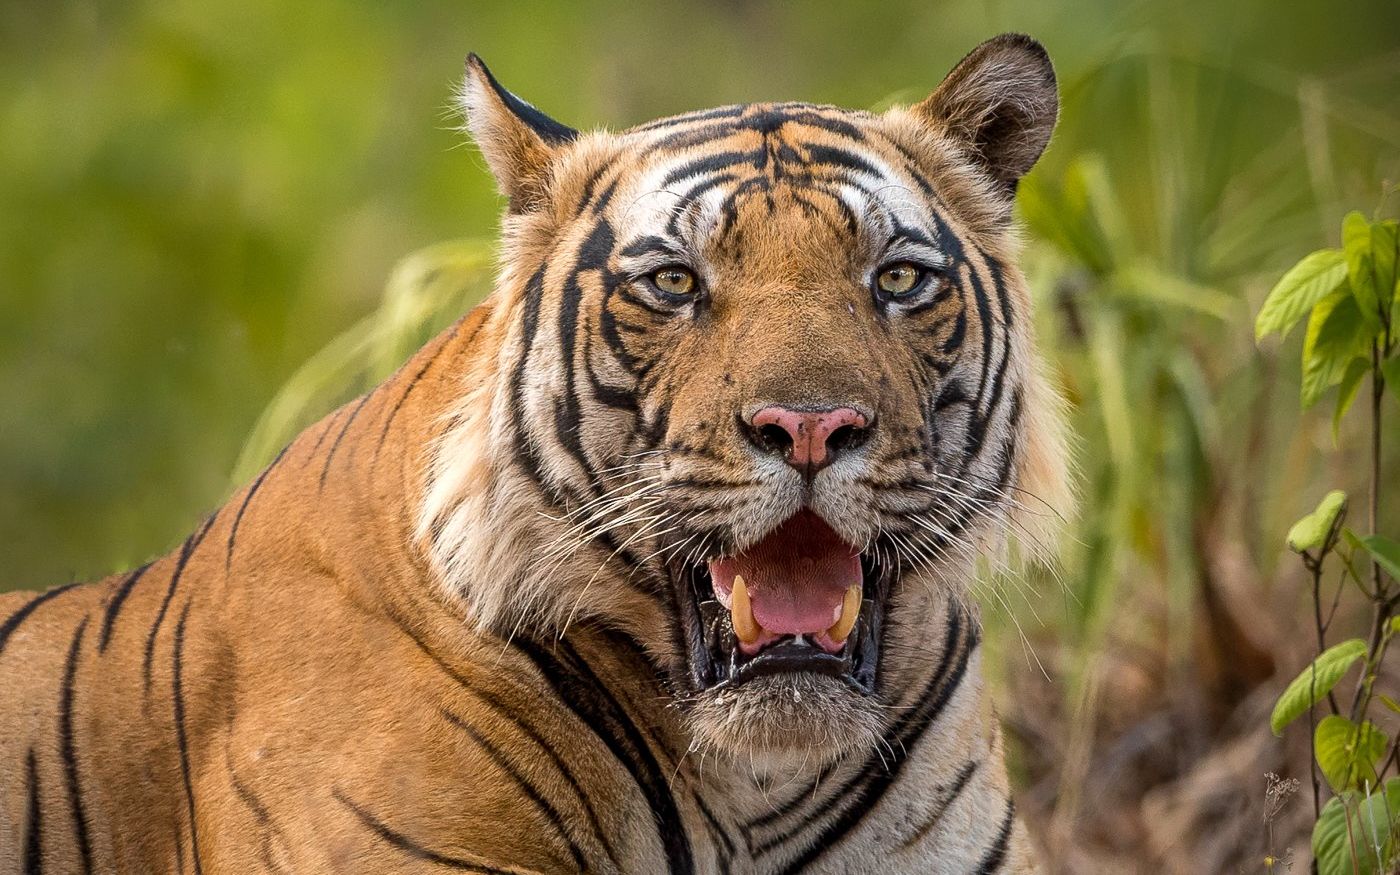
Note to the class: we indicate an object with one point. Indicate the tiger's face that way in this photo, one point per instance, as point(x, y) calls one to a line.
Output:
point(770, 373)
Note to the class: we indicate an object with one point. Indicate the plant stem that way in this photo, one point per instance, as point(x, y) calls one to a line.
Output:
point(1315, 566)
point(1379, 596)
point(1377, 390)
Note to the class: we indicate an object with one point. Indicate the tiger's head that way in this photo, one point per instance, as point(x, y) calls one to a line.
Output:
point(764, 386)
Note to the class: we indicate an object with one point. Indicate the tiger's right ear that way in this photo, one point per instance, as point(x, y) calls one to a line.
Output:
point(519, 141)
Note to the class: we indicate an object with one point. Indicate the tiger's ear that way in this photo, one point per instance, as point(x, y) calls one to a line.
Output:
point(519, 142)
point(1000, 103)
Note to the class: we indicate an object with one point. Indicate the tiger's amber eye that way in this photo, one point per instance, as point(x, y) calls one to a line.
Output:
point(674, 280)
point(899, 279)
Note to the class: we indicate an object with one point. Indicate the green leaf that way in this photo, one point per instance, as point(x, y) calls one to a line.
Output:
point(1352, 829)
point(1356, 242)
point(1386, 700)
point(1306, 283)
point(1346, 391)
point(1315, 682)
point(1348, 752)
point(1385, 551)
point(1311, 531)
point(1336, 335)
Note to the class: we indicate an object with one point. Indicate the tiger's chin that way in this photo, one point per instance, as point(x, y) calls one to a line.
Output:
point(783, 647)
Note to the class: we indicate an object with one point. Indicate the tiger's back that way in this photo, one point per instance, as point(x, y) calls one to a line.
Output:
point(492, 615)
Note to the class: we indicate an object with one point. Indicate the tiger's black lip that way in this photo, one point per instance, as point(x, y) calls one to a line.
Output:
point(714, 662)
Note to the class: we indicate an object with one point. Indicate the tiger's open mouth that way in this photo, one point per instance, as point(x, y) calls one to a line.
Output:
point(800, 600)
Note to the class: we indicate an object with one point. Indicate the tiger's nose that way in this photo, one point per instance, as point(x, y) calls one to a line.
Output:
point(808, 439)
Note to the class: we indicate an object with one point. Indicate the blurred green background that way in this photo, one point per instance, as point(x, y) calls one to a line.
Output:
point(198, 197)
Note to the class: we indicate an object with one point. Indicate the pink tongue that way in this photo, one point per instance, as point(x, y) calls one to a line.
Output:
point(796, 577)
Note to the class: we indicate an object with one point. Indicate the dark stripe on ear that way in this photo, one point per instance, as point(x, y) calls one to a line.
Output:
point(585, 695)
point(247, 499)
point(18, 617)
point(996, 854)
point(181, 739)
point(114, 606)
point(67, 749)
point(33, 824)
point(186, 550)
point(551, 814)
point(545, 127)
point(412, 848)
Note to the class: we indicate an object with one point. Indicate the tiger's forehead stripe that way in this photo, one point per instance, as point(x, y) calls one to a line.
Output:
point(698, 167)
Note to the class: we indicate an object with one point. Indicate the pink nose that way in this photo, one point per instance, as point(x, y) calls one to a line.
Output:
point(808, 439)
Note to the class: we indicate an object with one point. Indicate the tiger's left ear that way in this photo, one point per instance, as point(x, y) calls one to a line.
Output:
point(520, 142)
point(1000, 103)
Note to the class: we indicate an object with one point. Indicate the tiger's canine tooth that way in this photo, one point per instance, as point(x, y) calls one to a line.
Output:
point(746, 628)
point(850, 610)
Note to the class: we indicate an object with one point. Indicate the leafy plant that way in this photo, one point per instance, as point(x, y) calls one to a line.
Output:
point(1350, 297)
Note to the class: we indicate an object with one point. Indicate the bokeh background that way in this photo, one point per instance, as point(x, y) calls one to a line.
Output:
point(218, 218)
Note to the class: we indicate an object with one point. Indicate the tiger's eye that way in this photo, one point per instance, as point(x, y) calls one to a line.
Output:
point(674, 280)
point(899, 279)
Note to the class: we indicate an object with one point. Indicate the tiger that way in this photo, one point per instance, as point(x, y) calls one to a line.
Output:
point(662, 558)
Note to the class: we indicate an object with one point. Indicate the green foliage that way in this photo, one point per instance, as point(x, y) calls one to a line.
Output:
point(1314, 682)
point(1348, 752)
point(1350, 337)
point(1313, 530)
point(1354, 834)
point(1307, 283)
point(1384, 551)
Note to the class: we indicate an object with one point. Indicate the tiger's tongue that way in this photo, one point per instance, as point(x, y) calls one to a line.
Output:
point(796, 577)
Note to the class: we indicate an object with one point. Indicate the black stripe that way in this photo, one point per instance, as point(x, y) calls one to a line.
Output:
point(698, 115)
point(585, 695)
point(412, 848)
point(330, 423)
point(114, 606)
point(68, 749)
point(507, 713)
point(548, 130)
point(413, 383)
point(713, 163)
point(238, 518)
point(186, 550)
point(996, 855)
point(843, 158)
point(18, 617)
point(593, 254)
point(33, 824)
point(181, 739)
point(947, 796)
point(951, 635)
point(260, 813)
point(717, 831)
point(908, 731)
point(551, 814)
point(330, 454)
